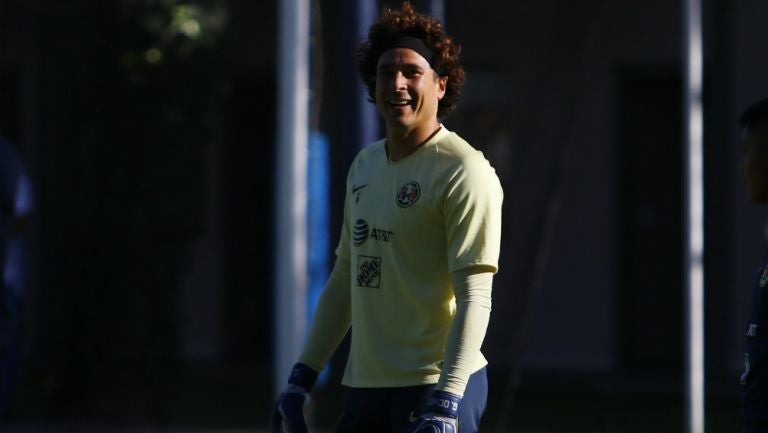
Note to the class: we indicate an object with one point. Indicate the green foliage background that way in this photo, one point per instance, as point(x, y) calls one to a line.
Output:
point(124, 101)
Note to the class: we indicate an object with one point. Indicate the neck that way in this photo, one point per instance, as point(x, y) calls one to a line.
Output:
point(403, 143)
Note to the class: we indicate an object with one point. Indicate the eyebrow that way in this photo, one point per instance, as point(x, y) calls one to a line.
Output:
point(401, 66)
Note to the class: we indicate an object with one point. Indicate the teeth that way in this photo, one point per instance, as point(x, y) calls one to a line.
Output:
point(399, 102)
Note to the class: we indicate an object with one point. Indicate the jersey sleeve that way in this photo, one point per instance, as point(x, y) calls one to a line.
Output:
point(473, 309)
point(333, 315)
point(342, 249)
point(472, 212)
point(332, 318)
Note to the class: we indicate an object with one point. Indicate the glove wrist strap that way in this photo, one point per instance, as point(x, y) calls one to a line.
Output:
point(444, 403)
point(303, 376)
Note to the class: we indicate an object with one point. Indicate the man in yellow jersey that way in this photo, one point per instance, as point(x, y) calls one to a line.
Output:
point(418, 250)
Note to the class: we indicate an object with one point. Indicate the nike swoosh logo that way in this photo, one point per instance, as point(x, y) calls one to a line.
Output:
point(412, 418)
point(358, 188)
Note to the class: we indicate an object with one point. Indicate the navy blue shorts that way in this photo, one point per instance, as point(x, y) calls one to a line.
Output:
point(389, 410)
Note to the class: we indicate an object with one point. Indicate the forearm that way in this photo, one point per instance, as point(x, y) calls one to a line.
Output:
point(473, 309)
point(332, 318)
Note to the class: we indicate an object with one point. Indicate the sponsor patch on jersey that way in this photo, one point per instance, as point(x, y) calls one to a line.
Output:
point(764, 276)
point(381, 235)
point(360, 232)
point(368, 271)
point(409, 194)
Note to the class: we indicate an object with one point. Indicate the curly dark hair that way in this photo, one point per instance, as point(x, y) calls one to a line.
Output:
point(394, 24)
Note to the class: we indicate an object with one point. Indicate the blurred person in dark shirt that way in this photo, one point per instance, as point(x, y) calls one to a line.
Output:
point(754, 381)
point(15, 210)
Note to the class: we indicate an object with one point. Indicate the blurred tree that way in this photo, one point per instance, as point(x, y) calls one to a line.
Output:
point(118, 121)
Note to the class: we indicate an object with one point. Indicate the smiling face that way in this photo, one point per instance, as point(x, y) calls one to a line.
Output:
point(755, 149)
point(408, 91)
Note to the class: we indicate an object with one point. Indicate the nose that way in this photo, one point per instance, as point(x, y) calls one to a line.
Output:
point(399, 81)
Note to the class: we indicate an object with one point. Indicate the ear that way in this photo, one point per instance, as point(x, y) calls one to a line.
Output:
point(442, 85)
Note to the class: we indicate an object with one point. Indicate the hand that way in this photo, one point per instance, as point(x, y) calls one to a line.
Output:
point(440, 416)
point(288, 415)
point(432, 423)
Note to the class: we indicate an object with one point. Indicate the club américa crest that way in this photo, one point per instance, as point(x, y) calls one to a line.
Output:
point(409, 194)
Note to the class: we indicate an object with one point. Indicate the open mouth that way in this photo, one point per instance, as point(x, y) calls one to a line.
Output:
point(399, 102)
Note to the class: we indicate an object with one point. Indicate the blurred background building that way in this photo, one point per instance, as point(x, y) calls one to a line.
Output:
point(149, 131)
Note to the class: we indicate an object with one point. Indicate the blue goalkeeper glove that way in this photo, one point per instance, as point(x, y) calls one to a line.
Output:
point(288, 415)
point(440, 416)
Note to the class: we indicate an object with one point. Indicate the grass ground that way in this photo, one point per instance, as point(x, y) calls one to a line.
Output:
point(235, 401)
